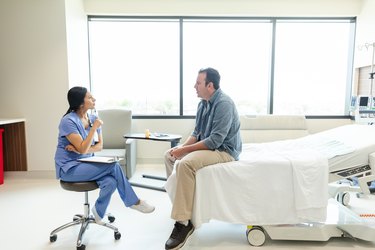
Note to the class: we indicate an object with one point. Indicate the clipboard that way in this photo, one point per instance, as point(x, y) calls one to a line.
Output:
point(99, 159)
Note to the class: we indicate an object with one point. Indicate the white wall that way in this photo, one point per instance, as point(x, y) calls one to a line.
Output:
point(43, 52)
point(225, 7)
point(34, 72)
point(34, 75)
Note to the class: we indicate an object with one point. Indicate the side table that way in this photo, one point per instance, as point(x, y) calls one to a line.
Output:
point(173, 139)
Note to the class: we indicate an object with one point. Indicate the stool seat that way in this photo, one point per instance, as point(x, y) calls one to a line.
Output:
point(82, 186)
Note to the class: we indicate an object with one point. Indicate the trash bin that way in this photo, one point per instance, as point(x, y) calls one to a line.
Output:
point(1, 157)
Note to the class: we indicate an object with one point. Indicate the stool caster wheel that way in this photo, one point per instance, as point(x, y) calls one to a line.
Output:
point(81, 247)
point(117, 235)
point(53, 238)
point(76, 217)
point(111, 218)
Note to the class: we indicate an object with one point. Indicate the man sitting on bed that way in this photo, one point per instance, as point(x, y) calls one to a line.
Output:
point(215, 139)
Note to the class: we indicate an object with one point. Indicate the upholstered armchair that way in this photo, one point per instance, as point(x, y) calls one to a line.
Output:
point(117, 123)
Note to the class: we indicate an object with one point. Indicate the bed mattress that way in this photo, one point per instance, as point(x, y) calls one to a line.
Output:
point(344, 147)
point(361, 138)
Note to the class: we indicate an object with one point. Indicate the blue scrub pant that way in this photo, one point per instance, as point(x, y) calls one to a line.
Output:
point(109, 176)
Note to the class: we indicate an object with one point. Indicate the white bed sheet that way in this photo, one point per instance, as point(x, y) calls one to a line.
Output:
point(361, 138)
point(265, 187)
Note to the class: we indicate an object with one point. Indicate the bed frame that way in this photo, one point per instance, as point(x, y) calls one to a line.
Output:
point(266, 128)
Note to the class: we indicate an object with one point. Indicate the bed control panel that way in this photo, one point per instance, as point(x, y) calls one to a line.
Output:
point(355, 171)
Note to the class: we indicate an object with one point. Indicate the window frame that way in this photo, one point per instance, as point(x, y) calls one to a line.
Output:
point(273, 21)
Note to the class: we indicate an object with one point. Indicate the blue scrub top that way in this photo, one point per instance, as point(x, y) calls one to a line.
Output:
point(70, 124)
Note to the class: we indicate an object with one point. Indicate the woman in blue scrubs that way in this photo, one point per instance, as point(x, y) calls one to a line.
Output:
point(80, 136)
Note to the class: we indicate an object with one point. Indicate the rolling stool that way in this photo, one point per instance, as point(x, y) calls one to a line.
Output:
point(86, 218)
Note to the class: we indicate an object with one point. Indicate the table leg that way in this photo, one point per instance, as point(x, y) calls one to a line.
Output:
point(174, 143)
point(154, 177)
point(162, 189)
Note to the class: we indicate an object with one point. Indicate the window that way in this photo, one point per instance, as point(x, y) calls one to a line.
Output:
point(135, 64)
point(267, 65)
point(311, 65)
point(240, 50)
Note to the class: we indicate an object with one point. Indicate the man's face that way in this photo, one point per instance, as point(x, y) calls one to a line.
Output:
point(201, 88)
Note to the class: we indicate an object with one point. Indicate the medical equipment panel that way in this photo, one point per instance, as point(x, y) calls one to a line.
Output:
point(364, 109)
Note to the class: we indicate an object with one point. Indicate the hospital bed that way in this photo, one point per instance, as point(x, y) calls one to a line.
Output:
point(280, 188)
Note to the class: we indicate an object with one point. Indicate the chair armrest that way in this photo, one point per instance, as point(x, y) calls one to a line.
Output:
point(131, 157)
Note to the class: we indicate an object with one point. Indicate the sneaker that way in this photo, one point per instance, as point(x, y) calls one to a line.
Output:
point(97, 218)
point(143, 207)
point(179, 236)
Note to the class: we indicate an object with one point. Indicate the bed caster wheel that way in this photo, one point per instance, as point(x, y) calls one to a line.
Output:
point(111, 218)
point(53, 238)
point(256, 236)
point(117, 235)
point(343, 198)
point(81, 247)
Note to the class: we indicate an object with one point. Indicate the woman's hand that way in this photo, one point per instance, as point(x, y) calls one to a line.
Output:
point(97, 123)
point(71, 148)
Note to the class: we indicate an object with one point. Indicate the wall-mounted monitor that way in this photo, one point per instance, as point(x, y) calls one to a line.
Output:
point(363, 101)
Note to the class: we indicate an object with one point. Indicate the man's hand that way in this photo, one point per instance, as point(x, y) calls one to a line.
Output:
point(177, 152)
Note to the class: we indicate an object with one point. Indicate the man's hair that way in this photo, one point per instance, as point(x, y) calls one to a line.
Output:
point(212, 75)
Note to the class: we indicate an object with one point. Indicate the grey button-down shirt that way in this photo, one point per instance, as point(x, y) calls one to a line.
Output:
point(218, 125)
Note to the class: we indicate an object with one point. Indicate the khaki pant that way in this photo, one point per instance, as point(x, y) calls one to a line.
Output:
point(186, 169)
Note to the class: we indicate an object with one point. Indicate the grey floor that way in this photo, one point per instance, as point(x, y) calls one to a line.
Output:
point(33, 204)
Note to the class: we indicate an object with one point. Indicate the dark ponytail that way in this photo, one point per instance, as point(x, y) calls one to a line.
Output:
point(76, 97)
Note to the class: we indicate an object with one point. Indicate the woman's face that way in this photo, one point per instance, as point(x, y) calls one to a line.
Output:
point(89, 101)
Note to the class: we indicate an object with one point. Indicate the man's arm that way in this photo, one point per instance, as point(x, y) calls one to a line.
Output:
point(190, 140)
